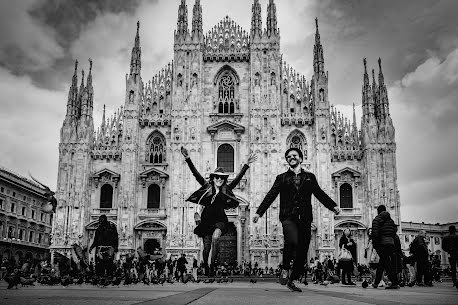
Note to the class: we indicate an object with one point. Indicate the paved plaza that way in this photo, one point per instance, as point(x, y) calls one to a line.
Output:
point(225, 293)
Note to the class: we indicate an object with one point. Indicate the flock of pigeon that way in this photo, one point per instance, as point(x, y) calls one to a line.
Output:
point(15, 279)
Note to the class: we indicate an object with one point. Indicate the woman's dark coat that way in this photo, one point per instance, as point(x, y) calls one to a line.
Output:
point(213, 215)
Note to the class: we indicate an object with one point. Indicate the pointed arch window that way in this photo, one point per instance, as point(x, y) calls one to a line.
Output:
point(297, 140)
point(155, 149)
point(226, 93)
point(154, 197)
point(346, 196)
point(106, 196)
point(226, 157)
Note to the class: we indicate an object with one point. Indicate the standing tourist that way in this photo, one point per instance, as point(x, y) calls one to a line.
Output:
point(346, 242)
point(383, 231)
point(420, 251)
point(181, 267)
point(106, 244)
point(295, 187)
point(215, 195)
point(450, 245)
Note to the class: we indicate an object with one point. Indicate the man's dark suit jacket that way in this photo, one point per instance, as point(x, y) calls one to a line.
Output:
point(296, 201)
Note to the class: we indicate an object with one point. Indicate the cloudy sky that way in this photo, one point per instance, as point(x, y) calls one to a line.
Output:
point(417, 41)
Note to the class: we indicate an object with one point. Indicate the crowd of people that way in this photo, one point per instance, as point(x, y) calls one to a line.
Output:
point(419, 268)
point(386, 263)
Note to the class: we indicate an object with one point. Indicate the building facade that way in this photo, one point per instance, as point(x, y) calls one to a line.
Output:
point(435, 233)
point(225, 94)
point(24, 229)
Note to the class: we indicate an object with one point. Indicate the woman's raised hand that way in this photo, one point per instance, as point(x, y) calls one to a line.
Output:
point(251, 158)
point(184, 152)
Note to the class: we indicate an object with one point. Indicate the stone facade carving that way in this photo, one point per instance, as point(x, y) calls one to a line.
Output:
point(228, 86)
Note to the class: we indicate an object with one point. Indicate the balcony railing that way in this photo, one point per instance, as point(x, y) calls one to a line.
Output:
point(297, 119)
point(152, 213)
point(106, 211)
point(350, 212)
point(149, 119)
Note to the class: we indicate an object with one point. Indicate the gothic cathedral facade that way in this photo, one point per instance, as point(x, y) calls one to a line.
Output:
point(225, 94)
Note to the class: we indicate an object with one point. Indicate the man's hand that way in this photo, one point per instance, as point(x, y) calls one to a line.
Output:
point(251, 158)
point(256, 218)
point(184, 152)
point(336, 210)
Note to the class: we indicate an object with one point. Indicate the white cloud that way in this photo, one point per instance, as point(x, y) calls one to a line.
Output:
point(25, 39)
point(30, 121)
point(424, 107)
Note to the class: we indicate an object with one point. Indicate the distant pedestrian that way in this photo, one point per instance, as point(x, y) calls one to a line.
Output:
point(347, 243)
point(106, 244)
point(383, 231)
point(450, 245)
point(181, 267)
point(419, 248)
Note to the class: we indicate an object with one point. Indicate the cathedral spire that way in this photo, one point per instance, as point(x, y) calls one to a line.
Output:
point(367, 94)
point(182, 24)
point(89, 76)
point(271, 18)
point(381, 79)
point(135, 61)
point(73, 92)
point(375, 95)
point(90, 90)
point(197, 20)
point(256, 21)
point(75, 75)
point(80, 96)
point(318, 57)
point(383, 94)
point(366, 76)
point(355, 127)
point(102, 129)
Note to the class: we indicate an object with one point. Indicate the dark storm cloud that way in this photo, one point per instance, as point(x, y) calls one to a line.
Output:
point(417, 41)
point(402, 33)
point(61, 22)
point(68, 17)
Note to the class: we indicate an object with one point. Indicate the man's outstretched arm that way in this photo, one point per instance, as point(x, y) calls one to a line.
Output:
point(270, 197)
point(323, 197)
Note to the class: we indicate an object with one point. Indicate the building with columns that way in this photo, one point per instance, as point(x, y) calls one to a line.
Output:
point(25, 230)
point(224, 94)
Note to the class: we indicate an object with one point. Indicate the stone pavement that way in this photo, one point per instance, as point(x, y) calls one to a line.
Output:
point(265, 293)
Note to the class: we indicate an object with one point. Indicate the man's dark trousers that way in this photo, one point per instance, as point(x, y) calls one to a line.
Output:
point(104, 267)
point(296, 233)
point(385, 253)
point(423, 267)
point(453, 261)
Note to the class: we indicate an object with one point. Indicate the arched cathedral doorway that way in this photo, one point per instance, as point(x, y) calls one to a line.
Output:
point(151, 236)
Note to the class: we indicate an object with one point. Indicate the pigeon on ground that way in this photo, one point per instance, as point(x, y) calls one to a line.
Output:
point(65, 281)
point(13, 280)
point(325, 283)
point(27, 282)
point(116, 281)
point(253, 281)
